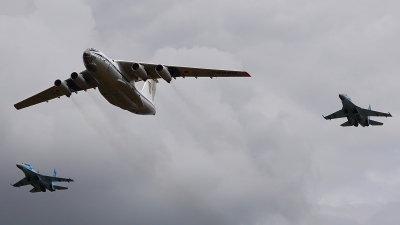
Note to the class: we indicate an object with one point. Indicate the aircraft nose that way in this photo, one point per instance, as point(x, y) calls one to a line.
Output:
point(342, 97)
point(19, 166)
point(86, 53)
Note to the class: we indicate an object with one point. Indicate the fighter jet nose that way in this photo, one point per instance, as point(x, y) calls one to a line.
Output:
point(342, 97)
point(19, 166)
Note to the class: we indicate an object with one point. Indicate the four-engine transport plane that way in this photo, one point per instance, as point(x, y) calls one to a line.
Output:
point(116, 81)
point(40, 182)
point(356, 115)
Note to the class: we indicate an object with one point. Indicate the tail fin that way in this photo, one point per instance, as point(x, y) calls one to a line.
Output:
point(149, 89)
point(54, 174)
point(369, 109)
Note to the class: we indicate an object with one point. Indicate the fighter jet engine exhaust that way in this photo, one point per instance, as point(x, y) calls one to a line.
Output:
point(163, 72)
point(139, 71)
point(63, 87)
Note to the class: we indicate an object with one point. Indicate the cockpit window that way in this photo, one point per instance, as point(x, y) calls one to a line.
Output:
point(93, 50)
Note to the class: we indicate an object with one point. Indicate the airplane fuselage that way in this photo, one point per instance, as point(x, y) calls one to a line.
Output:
point(354, 116)
point(35, 178)
point(114, 85)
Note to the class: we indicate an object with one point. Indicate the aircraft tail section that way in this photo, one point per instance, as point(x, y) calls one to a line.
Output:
point(149, 89)
point(346, 124)
point(34, 190)
point(375, 123)
point(369, 109)
point(54, 174)
point(59, 187)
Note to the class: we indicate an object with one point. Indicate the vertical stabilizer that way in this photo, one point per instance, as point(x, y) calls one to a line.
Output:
point(54, 174)
point(149, 89)
point(369, 109)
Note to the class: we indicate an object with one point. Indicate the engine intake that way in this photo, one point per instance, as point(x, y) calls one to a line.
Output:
point(163, 72)
point(63, 87)
point(139, 71)
point(79, 80)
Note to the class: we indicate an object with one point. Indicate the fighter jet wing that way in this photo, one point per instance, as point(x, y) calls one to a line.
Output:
point(54, 92)
point(178, 71)
point(375, 113)
point(58, 179)
point(22, 182)
point(335, 115)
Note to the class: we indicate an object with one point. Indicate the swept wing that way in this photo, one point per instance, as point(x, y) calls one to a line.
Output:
point(54, 92)
point(335, 115)
point(178, 71)
point(22, 182)
point(57, 179)
point(374, 113)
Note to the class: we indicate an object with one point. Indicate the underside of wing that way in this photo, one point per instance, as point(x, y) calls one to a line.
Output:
point(375, 113)
point(143, 71)
point(335, 115)
point(22, 182)
point(83, 81)
point(57, 179)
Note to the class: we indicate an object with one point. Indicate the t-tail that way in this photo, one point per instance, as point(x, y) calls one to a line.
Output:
point(149, 89)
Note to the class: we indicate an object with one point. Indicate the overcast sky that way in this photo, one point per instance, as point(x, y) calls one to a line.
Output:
point(245, 151)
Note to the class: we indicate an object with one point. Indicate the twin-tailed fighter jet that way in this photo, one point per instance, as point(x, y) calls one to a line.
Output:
point(40, 182)
point(356, 115)
point(116, 81)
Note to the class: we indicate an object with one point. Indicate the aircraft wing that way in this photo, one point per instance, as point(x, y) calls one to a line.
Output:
point(375, 113)
point(54, 92)
point(22, 182)
point(179, 71)
point(335, 115)
point(58, 179)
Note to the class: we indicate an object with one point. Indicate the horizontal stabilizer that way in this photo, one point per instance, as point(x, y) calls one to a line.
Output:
point(346, 124)
point(34, 190)
point(375, 123)
point(59, 187)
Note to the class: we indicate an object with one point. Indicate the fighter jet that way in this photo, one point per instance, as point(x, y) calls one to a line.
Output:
point(40, 182)
point(356, 115)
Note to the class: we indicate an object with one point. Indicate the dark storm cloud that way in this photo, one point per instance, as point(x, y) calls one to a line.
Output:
point(219, 151)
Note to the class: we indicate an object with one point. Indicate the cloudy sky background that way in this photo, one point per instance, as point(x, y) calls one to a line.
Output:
point(222, 151)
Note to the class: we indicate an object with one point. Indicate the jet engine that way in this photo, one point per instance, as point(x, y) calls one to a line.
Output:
point(79, 80)
point(163, 72)
point(63, 87)
point(139, 71)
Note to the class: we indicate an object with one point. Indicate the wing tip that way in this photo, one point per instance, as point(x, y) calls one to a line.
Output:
point(16, 107)
point(247, 74)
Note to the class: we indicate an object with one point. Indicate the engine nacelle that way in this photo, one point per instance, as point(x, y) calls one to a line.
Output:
point(79, 80)
point(139, 71)
point(63, 87)
point(163, 72)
